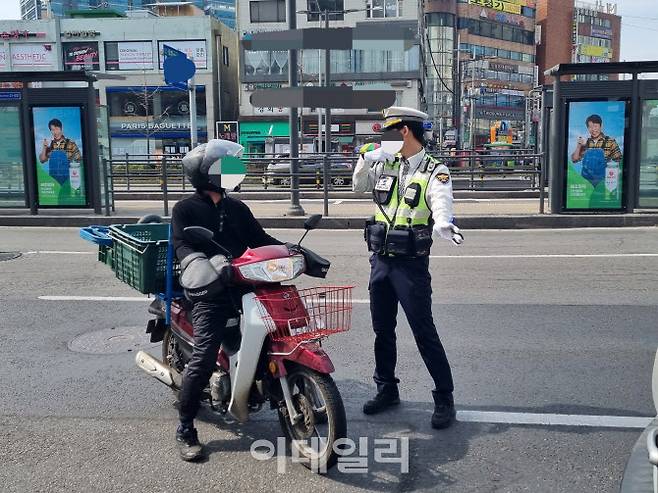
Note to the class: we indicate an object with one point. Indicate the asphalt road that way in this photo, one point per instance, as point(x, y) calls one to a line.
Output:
point(536, 323)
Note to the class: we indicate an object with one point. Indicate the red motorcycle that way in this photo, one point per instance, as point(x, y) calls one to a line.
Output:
point(275, 355)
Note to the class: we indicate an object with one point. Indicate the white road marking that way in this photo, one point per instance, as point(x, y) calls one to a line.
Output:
point(134, 299)
point(551, 255)
point(141, 299)
point(501, 256)
point(57, 252)
point(583, 420)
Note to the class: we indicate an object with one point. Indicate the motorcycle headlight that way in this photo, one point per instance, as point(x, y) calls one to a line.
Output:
point(276, 270)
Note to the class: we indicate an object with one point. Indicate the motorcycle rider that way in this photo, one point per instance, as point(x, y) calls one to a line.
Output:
point(234, 228)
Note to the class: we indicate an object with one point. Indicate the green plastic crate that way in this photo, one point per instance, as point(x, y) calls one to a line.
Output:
point(140, 255)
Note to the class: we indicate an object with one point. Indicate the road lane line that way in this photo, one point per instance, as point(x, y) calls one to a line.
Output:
point(141, 299)
point(551, 255)
point(57, 252)
point(581, 420)
point(134, 299)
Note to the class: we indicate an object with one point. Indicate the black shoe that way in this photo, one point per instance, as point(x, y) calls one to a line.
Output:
point(444, 410)
point(381, 402)
point(188, 444)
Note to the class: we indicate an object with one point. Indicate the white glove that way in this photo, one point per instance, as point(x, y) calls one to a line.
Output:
point(378, 155)
point(451, 232)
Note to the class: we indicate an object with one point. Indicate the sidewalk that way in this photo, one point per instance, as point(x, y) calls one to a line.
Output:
point(349, 214)
point(343, 208)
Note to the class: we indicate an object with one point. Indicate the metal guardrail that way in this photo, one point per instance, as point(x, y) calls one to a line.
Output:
point(488, 170)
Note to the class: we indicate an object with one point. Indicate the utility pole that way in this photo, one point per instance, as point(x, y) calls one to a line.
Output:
point(319, 149)
point(457, 95)
point(193, 128)
point(327, 83)
point(295, 208)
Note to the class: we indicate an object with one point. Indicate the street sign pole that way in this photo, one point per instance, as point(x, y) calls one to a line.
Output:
point(193, 118)
point(295, 208)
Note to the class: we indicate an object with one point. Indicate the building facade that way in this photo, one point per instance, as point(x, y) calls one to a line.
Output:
point(267, 129)
point(577, 32)
point(144, 115)
point(224, 10)
point(478, 54)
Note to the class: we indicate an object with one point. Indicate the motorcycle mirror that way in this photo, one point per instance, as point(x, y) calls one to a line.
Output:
point(312, 222)
point(198, 234)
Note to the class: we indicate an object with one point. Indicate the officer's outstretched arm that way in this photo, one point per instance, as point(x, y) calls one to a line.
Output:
point(439, 199)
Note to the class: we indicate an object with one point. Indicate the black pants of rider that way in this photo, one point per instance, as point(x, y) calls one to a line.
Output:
point(405, 281)
point(209, 321)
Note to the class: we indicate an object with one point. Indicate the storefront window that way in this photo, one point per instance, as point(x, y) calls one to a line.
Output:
point(649, 155)
point(12, 187)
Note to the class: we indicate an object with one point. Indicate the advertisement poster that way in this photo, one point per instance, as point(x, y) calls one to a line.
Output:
point(129, 55)
point(595, 154)
point(81, 55)
point(59, 156)
point(195, 51)
point(33, 57)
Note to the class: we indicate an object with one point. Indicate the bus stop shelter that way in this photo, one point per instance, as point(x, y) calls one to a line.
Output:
point(49, 157)
point(603, 144)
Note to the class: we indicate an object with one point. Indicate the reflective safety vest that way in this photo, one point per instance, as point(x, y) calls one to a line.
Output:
point(411, 208)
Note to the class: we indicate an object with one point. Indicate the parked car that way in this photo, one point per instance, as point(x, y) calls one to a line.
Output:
point(311, 171)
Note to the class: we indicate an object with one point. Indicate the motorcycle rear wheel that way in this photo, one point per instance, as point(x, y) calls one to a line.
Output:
point(171, 355)
point(313, 440)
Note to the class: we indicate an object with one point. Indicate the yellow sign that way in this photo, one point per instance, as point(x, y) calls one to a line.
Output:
point(597, 51)
point(499, 5)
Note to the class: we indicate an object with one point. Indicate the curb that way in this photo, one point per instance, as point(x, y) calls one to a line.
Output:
point(536, 221)
point(305, 195)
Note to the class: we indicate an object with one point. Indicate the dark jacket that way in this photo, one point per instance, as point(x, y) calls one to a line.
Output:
point(233, 224)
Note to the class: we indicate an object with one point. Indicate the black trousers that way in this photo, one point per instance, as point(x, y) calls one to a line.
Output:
point(209, 321)
point(407, 281)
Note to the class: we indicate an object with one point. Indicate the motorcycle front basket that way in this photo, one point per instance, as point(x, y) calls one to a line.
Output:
point(293, 315)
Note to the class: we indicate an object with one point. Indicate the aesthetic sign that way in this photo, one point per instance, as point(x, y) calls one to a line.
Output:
point(33, 56)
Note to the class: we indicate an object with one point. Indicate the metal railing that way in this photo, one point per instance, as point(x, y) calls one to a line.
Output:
point(489, 170)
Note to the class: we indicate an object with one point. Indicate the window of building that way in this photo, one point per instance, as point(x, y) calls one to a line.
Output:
point(496, 30)
point(225, 55)
point(267, 11)
point(336, 7)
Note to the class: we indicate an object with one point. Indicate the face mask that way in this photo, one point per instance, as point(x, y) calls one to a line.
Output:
point(392, 141)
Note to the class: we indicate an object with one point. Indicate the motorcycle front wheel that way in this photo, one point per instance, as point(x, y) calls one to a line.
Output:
point(321, 419)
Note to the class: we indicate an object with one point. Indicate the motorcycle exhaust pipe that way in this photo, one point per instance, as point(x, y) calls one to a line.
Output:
point(158, 370)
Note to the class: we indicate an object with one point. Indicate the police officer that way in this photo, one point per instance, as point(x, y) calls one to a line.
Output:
point(412, 192)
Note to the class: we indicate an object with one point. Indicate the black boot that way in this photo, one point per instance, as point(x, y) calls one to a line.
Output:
point(384, 399)
point(444, 410)
point(188, 444)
